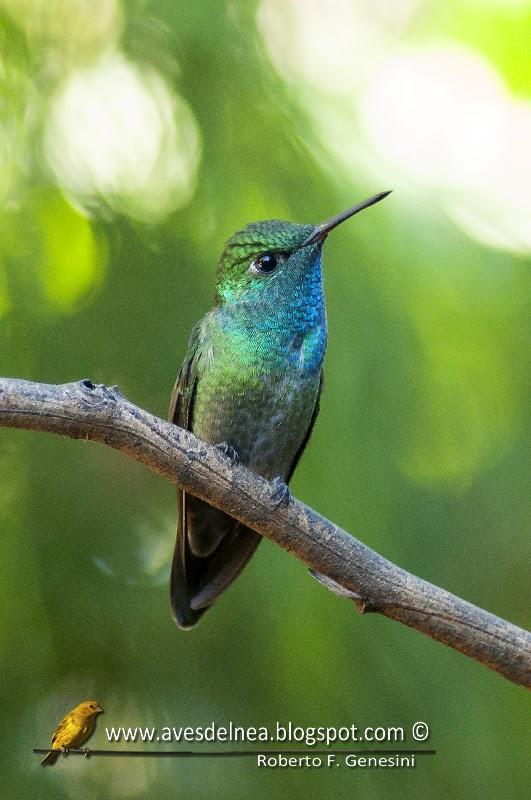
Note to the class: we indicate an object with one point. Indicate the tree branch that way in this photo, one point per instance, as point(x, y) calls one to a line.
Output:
point(86, 411)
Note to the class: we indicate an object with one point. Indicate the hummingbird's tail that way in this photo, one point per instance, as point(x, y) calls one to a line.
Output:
point(198, 580)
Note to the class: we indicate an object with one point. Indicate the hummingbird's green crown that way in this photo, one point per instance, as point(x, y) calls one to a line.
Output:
point(271, 237)
point(272, 234)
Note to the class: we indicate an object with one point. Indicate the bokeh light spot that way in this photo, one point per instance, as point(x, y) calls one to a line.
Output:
point(333, 51)
point(436, 114)
point(117, 132)
point(66, 33)
point(71, 260)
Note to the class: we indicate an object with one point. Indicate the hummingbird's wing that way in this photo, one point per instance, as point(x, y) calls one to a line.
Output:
point(221, 545)
point(180, 412)
point(306, 439)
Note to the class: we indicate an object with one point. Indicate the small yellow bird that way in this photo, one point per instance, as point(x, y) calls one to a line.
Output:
point(74, 729)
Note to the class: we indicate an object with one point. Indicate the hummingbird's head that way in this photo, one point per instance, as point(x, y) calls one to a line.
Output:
point(275, 256)
point(259, 256)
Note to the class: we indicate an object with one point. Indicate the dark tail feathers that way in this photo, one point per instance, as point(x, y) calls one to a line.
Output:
point(50, 758)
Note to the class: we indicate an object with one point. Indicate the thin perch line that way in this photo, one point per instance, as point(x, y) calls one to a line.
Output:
point(233, 753)
point(84, 410)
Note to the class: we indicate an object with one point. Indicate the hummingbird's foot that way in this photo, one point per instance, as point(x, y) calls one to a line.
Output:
point(64, 751)
point(281, 494)
point(362, 603)
point(86, 752)
point(229, 451)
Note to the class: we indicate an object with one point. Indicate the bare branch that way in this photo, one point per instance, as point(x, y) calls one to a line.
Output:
point(86, 411)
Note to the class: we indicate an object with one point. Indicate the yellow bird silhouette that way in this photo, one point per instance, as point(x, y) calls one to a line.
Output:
point(74, 729)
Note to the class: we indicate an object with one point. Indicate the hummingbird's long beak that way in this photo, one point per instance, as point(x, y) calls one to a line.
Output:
point(321, 231)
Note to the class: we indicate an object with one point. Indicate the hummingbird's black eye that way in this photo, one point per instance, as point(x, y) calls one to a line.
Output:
point(266, 263)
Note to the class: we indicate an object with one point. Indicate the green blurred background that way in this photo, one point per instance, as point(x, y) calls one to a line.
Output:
point(135, 137)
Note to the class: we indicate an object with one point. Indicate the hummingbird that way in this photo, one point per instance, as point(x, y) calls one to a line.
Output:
point(250, 384)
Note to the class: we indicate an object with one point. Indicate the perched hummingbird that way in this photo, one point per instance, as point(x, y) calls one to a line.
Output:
point(250, 383)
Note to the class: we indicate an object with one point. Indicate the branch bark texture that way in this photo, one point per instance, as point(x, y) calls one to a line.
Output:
point(84, 410)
